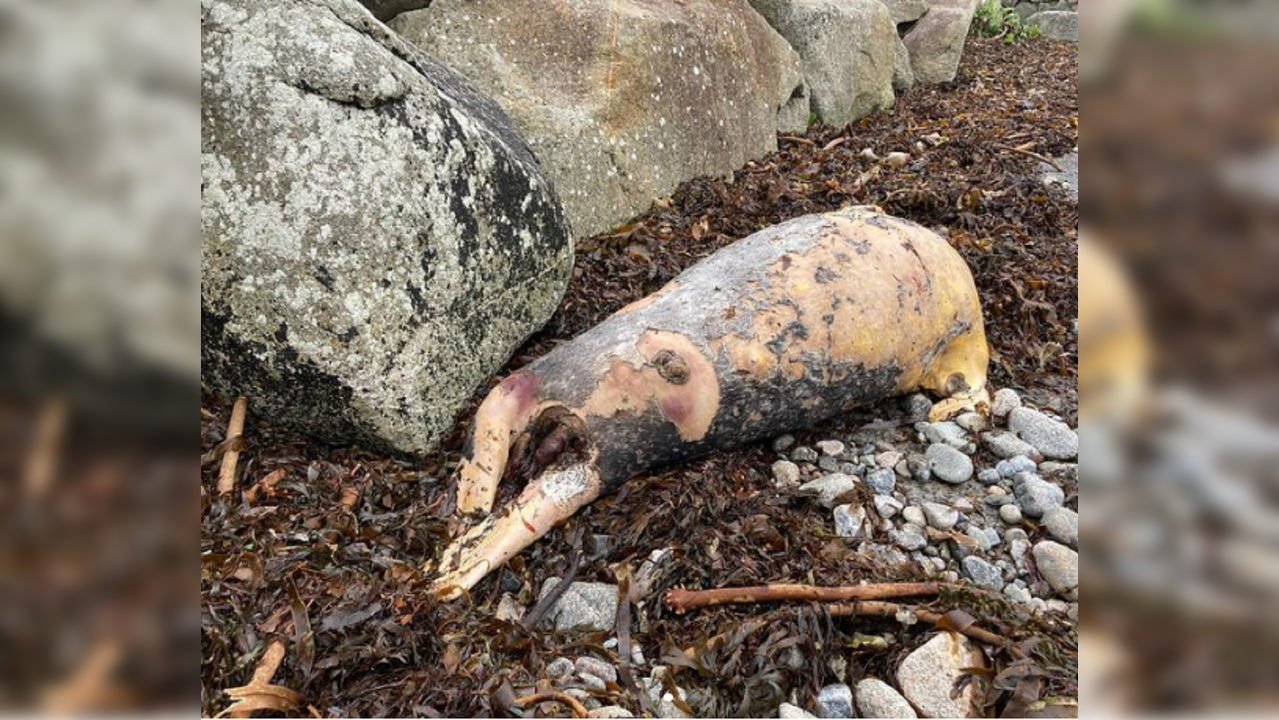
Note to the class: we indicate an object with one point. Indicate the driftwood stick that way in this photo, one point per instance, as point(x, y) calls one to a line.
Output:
point(1032, 154)
point(887, 609)
point(235, 428)
point(681, 600)
point(43, 461)
point(579, 710)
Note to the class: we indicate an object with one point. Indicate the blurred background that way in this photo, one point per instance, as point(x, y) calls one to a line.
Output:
point(1179, 338)
point(99, 355)
point(1179, 333)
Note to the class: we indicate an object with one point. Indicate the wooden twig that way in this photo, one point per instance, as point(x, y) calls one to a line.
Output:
point(887, 609)
point(793, 138)
point(552, 596)
point(579, 710)
point(235, 428)
point(1031, 153)
point(681, 600)
point(43, 461)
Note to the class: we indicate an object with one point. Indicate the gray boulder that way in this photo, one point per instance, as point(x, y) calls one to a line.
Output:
point(904, 11)
point(1059, 566)
point(376, 237)
point(1056, 24)
point(936, 42)
point(622, 100)
point(1063, 524)
point(847, 51)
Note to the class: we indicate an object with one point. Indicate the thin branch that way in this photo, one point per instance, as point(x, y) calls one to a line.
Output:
point(887, 609)
point(1031, 153)
point(235, 428)
point(681, 600)
point(552, 596)
point(43, 461)
point(579, 710)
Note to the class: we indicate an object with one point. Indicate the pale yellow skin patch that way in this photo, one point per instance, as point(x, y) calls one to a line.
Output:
point(910, 291)
point(1114, 345)
point(689, 405)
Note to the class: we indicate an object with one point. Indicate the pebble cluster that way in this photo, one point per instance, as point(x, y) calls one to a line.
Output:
point(937, 502)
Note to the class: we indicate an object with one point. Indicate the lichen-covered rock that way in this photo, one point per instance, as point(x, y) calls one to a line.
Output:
point(847, 50)
point(903, 73)
point(377, 238)
point(622, 100)
point(936, 42)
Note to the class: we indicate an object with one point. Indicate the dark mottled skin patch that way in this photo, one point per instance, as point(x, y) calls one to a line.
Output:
point(824, 275)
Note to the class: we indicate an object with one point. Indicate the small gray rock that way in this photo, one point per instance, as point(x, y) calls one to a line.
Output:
point(1035, 495)
point(835, 701)
point(596, 667)
point(1019, 594)
point(972, 422)
point(909, 537)
point(1059, 566)
point(916, 407)
point(1010, 467)
point(986, 538)
point(886, 554)
point(1004, 444)
point(559, 667)
point(942, 517)
point(915, 515)
point(832, 448)
point(946, 433)
point(881, 481)
point(786, 474)
point(585, 606)
point(878, 699)
point(828, 464)
point(887, 506)
point(828, 488)
point(888, 459)
point(783, 443)
point(804, 454)
point(1010, 514)
point(989, 476)
point(849, 520)
point(1052, 438)
point(948, 464)
point(1063, 524)
point(592, 682)
point(982, 573)
point(917, 468)
point(786, 711)
point(1003, 402)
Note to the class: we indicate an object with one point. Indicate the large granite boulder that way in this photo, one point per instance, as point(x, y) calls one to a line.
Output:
point(622, 100)
point(904, 11)
point(98, 242)
point(936, 42)
point(376, 237)
point(847, 50)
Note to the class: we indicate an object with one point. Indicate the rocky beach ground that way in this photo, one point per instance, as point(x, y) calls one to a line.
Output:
point(324, 548)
